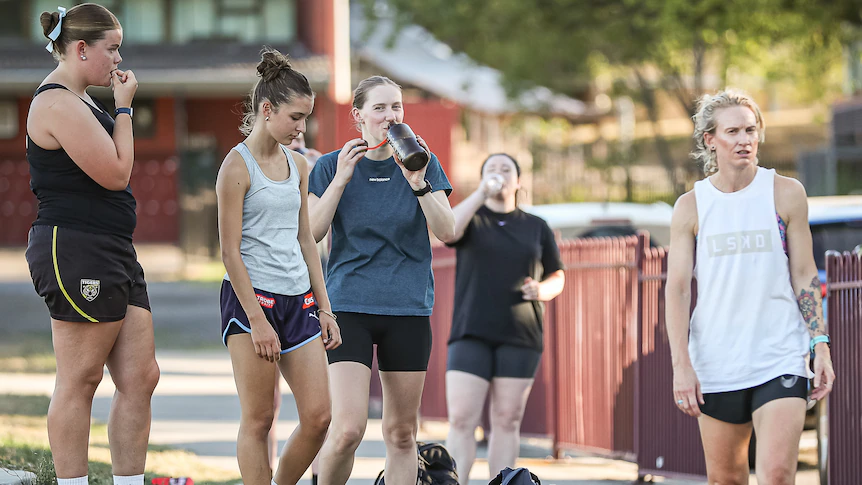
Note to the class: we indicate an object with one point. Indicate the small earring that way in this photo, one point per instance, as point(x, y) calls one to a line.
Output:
point(712, 148)
point(83, 58)
point(266, 119)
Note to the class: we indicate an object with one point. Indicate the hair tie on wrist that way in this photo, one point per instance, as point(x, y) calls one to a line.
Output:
point(327, 312)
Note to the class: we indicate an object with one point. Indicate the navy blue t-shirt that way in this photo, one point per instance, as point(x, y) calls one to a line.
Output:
point(380, 261)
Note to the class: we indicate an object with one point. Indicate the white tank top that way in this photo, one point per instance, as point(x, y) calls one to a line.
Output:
point(270, 225)
point(746, 328)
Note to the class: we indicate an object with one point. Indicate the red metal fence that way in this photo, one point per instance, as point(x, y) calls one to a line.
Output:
point(844, 305)
point(605, 382)
point(668, 441)
point(594, 345)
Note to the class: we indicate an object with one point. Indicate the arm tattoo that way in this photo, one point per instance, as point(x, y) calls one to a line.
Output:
point(810, 307)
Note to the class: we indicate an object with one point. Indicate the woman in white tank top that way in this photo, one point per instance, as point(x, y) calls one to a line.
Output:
point(742, 359)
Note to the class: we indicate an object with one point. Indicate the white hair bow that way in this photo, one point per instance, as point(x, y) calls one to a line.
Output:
point(56, 32)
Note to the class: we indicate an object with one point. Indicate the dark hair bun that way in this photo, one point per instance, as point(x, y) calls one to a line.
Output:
point(272, 63)
point(49, 20)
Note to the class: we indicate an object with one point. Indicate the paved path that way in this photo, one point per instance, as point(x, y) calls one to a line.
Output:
point(195, 406)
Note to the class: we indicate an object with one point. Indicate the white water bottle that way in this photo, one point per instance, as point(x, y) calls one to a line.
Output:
point(494, 184)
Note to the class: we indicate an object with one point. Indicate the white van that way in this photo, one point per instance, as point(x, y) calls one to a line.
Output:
point(600, 219)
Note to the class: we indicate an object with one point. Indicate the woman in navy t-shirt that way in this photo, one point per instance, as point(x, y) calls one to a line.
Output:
point(379, 279)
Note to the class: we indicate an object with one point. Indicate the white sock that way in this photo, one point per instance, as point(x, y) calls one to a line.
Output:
point(273, 482)
point(128, 480)
point(73, 481)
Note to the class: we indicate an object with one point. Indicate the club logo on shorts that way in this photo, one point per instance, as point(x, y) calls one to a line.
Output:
point(264, 301)
point(90, 289)
point(309, 301)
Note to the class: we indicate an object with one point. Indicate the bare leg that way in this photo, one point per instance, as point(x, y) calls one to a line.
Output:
point(81, 350)
point(272, 438)
point(402, 394)
point(133, 367)
point(465, 400)
point(255, 379)
point(725, 447)
point(306, 372)
point(508, 400)
point(349, 384)
point(778, 425)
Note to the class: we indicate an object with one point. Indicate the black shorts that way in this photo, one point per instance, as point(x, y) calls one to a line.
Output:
point(294, 318)
point(403, 342)
point(737, 407)
point(85, 277)
point(487, 360)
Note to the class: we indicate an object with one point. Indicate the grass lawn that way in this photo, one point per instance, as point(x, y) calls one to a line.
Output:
point(31, 352)
point(24, 446)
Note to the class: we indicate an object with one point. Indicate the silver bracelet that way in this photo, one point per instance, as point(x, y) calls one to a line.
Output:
point(327, 312)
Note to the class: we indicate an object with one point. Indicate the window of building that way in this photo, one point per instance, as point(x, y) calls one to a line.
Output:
point(171, 21)
point(143, 21)
point(234, 20)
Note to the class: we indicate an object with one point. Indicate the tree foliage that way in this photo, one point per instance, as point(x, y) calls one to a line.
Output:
point(647, 46)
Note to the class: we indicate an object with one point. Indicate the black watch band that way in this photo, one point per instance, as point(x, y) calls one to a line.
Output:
point(423, 190)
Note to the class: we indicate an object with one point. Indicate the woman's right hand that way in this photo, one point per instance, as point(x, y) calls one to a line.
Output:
point(264, 338)
point(686, 390)
point(124, 84)
point(348, 157)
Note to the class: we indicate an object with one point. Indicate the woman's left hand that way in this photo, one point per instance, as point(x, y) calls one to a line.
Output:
point(329, 331)
point(415, 179)
point(530, 289)
point(824, 375)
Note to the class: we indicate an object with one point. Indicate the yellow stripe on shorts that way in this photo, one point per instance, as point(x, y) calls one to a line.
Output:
point(60, 282)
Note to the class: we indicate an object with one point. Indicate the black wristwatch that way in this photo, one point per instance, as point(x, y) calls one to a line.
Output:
point(423, 190)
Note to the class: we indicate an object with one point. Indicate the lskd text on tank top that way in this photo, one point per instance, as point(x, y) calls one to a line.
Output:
point(739, 243)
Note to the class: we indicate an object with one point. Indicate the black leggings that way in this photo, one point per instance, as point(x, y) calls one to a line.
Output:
point(403, 343)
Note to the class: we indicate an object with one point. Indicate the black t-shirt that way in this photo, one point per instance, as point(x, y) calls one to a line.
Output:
point(68, 197)
point(497, 252)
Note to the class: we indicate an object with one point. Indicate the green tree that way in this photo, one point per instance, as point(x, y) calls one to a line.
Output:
point(651, 46)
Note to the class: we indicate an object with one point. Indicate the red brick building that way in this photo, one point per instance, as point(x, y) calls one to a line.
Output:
point(195, 62)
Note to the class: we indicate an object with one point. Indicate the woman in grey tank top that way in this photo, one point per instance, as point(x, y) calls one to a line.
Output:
point(275, 310)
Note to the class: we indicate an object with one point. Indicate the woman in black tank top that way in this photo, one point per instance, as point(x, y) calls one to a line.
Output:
point(80, 251)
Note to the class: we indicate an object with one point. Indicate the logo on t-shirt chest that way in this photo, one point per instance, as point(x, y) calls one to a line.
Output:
point(739, 243)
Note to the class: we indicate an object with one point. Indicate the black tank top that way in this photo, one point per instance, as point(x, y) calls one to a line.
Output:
point(68, 197)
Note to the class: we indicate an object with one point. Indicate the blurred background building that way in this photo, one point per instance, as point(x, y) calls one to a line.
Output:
point(598, 142)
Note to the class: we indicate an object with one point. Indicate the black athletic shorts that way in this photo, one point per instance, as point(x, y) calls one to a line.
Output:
point(487, 360)
point(737, 407)
point(85, 277)
point(403, 342)
point(294, 318)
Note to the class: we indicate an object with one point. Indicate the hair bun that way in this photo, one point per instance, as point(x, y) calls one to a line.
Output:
point(49, 20)
point(272, 63)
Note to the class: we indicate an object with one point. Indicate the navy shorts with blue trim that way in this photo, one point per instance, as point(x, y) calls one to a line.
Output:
point(294, 318)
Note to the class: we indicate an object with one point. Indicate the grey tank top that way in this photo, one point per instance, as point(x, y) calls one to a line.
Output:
point(270, 225)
